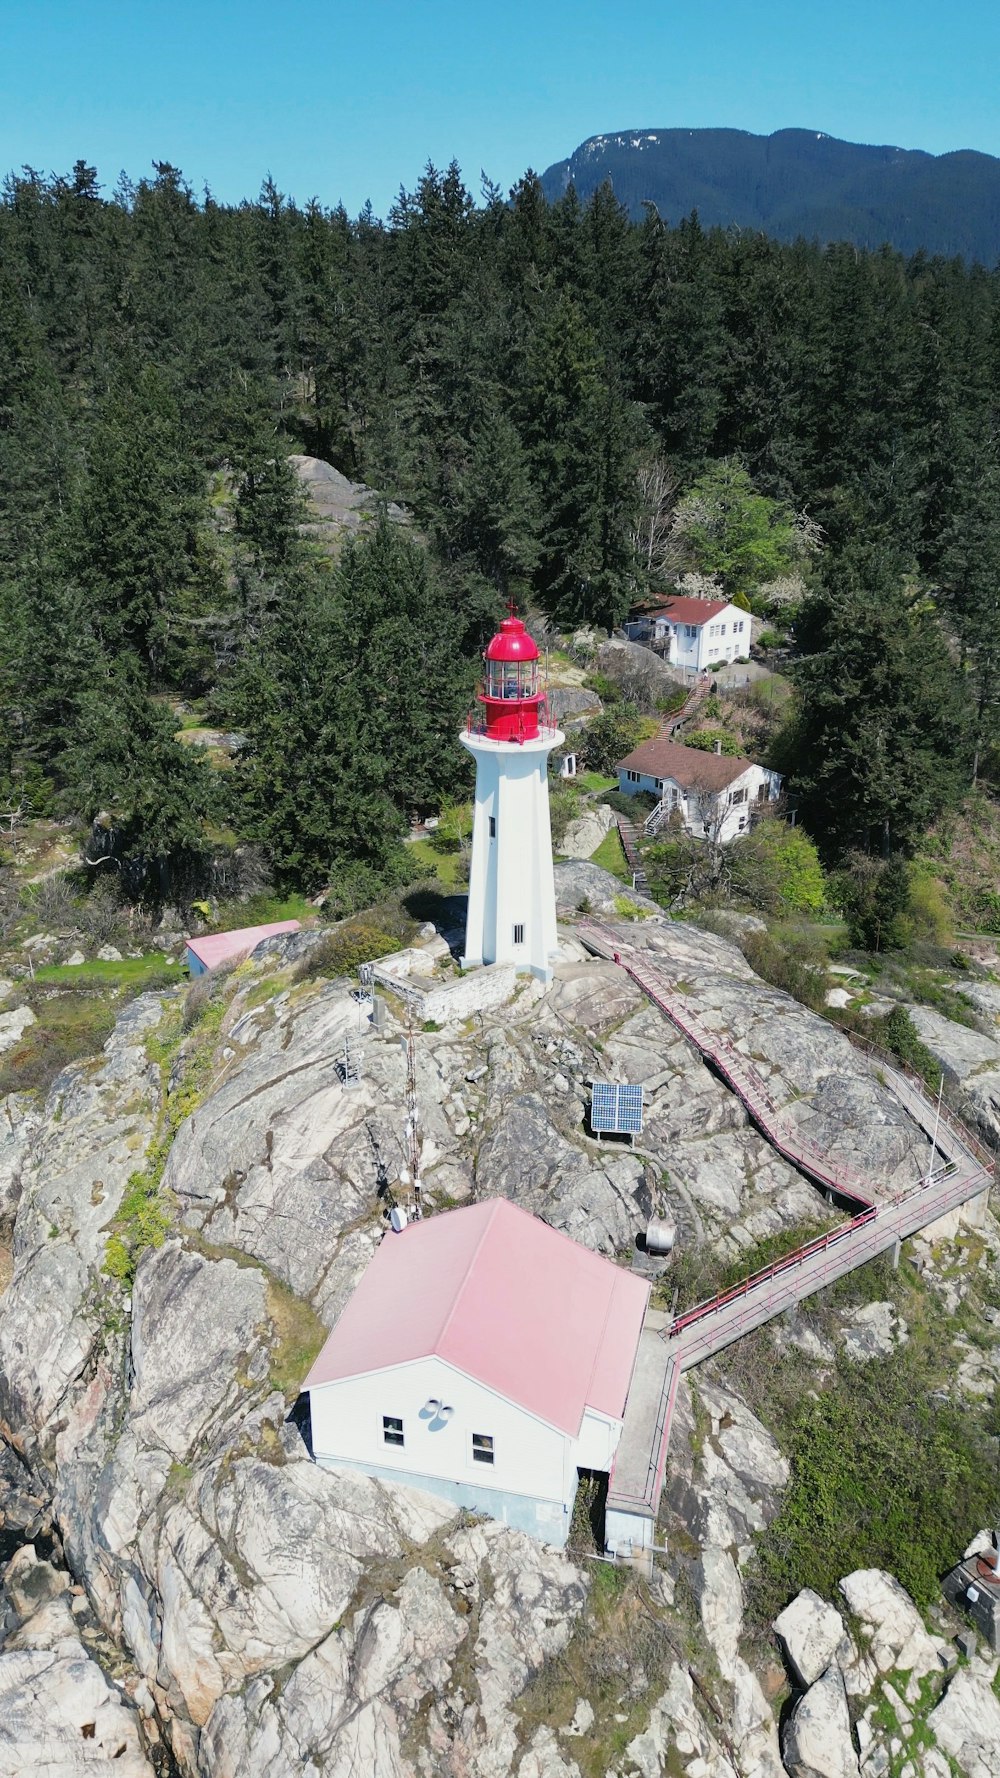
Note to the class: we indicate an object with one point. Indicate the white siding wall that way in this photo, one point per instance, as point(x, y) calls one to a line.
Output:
point(533, 1479)
point(530, 1457)
point(724, 638)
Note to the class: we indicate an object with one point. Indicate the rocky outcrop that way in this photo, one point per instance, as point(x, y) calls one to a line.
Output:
point(811, 1633)
point(897, 1637)
point(584, 835)
point(337, 506)
point(966, 1724)
point(817, 1740)
point(262, 1608)
point(59, 1713)
point(970, 1063)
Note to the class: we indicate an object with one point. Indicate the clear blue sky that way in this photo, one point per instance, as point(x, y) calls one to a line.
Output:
point(348, 100)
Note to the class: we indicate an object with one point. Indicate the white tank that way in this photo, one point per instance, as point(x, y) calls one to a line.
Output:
point(661, 1233)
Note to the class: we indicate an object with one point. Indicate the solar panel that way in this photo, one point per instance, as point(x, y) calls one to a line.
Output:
point(615, 1109)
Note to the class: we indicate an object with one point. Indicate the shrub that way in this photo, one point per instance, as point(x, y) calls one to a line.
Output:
point(873, 894)
point(454, 827)
point(341, 952)
point(68, 1028)
point(897, 1033)
point(609, 736)
point(785, 968)
point(928, 916)
point(777, 867)
point(706, 738)
point(885, 1474)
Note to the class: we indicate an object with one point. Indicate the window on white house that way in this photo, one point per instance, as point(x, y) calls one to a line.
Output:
point(482, 1447)
point(392, 1430)
point(722, 629)
point(738, 796)
point(493, 827)
point(743, 822)
point(519, 935)
point(692, 629)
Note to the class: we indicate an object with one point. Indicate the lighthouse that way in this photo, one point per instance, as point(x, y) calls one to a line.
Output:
point(512, 898)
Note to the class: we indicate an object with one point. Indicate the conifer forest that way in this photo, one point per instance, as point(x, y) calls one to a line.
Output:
point(545, 388)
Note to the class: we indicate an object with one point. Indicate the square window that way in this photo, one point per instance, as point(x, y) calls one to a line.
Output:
point(519, 935)
point(392, 1430)
point(493, 827)
point(482, 1447)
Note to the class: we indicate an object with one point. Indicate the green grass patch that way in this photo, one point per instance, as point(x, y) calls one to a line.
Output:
point(610, 857)
point(885, 1474)
point(595, 781)
point(137, 973)
point(262, 910)
point(300, 1337)
point(68, 1027)
point(445, 867)
point(769, 1249)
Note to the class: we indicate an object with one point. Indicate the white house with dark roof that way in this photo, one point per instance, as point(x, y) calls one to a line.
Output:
point(484, 1357)
point(698, 632)
point(712, 794)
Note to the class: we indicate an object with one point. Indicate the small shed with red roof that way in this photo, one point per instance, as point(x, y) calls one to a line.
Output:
point(204, 954)
point(484, 1357)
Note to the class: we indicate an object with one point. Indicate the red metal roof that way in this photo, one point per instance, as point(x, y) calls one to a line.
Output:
point(512, 643)
point(690, 611)
point(504, 1298)
point(224, 947)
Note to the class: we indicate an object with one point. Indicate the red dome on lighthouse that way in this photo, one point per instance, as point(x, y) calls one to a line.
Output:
point(510, 696)
point(512, 643)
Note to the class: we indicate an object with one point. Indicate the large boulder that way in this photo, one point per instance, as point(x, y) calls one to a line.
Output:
point(897, 1634)
point(584, 835)
point(966, 1724)
point(811, 1632)
point(817, 1740)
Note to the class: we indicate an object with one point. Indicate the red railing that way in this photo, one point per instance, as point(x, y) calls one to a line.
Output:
point(785, 1264)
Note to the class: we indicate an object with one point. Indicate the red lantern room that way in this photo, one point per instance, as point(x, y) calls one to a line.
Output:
point(510, 696)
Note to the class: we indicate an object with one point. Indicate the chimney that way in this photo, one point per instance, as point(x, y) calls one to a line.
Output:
point(716, 746)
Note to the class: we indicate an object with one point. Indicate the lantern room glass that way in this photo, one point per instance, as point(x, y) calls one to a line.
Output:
point(511, 679)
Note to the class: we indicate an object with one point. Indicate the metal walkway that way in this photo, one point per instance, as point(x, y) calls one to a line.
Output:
point(963, 1168)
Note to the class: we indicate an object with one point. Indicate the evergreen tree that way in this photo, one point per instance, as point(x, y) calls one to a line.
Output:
point(880, 745)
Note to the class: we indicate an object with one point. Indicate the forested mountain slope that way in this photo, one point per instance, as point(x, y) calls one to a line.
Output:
point(798, 183)
point(536, 383)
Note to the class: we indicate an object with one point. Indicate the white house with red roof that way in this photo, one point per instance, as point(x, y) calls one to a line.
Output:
point(712, 795)
point(483, 1357)
point(699, 633)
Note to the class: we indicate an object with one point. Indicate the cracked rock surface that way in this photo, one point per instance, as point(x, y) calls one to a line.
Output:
point(269, 1617)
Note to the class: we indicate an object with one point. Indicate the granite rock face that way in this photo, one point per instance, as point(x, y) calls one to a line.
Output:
point(811, 1633)
point(970, 1063)
point(275, 1618)
point(817, 1740)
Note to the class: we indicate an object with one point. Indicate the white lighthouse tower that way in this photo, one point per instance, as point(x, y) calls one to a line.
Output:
point(512, 898)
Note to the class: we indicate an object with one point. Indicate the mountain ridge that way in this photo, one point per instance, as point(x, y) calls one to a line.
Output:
point(798, 183)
